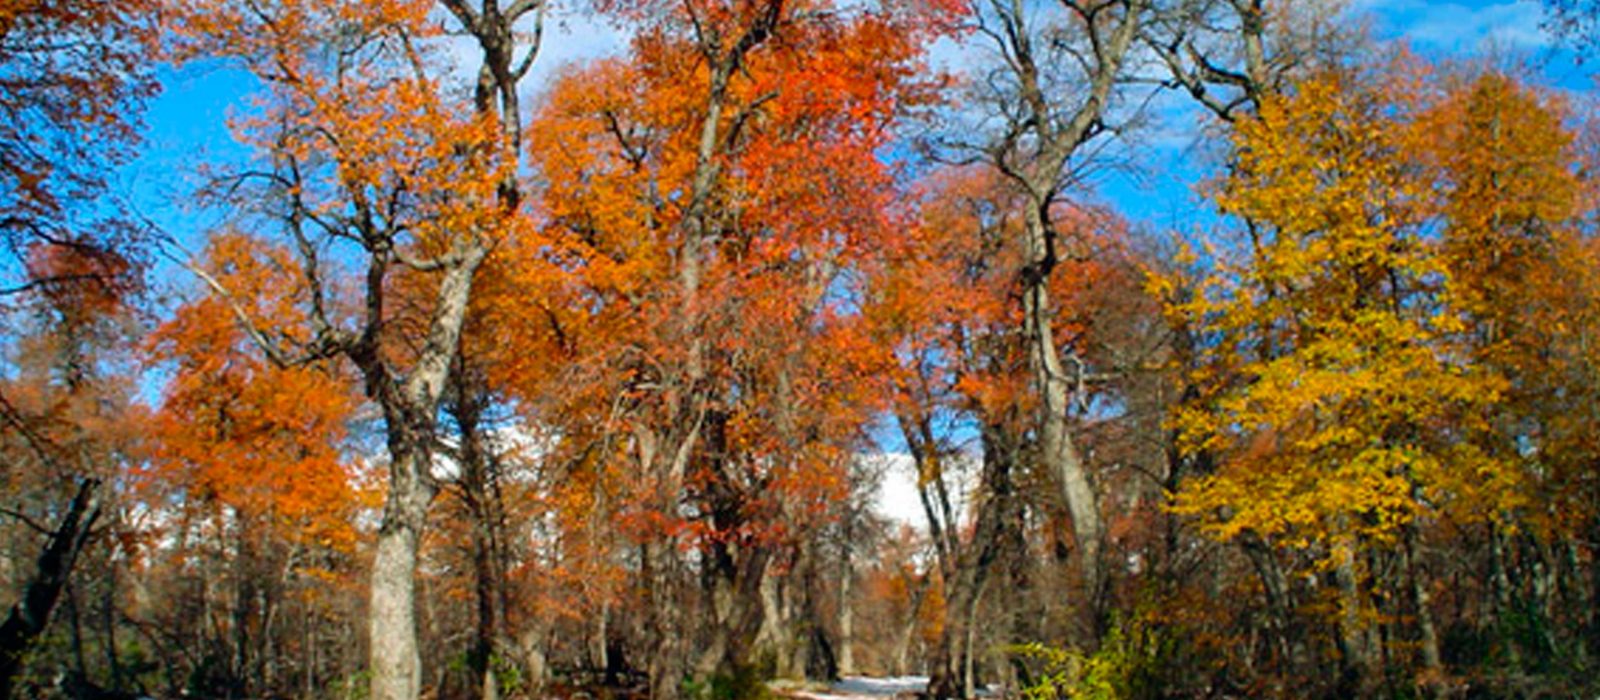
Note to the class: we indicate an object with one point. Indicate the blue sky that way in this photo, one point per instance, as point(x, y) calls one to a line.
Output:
point(1161, 195)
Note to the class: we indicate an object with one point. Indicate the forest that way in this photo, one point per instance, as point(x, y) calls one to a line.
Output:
point(1219, 349)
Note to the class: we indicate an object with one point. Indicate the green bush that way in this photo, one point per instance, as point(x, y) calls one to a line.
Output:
point(1126, 666)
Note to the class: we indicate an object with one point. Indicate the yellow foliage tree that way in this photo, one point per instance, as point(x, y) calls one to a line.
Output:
point(1340, 412)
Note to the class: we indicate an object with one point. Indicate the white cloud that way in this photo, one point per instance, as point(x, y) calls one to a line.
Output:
point(898, 498)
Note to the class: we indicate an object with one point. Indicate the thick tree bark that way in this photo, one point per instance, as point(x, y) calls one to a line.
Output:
point(735, 575)
point(666, 665)
point(394, 654)
point(775, 635)
point(410, 409)
point(29, 616)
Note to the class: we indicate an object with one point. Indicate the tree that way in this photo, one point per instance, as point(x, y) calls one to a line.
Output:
point(1035, 137)
point(1512, 189)
point(721, 219)
point(963, 403)
point(27, 619)
point(371, 159)
point(68, 428)
point(1228, 55)
point(73, 80)
point(960, 367)
point(248, 462)
point(1342, 422)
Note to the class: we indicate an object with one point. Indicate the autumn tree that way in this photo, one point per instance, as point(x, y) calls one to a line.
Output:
point(376, 170)
point(725, 181)
point(1347, 424)
point(962, 400)
point(247, 459)
point(1036, 116)
point(69, 431)
point(75, 77)
point(960, 370)
point(1055, 90)
point(1512, 194)
point(586, 398)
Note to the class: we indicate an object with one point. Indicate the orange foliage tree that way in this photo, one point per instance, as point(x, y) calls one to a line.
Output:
point(68, 430)
point(964, 376)
point(249, 458)
point(74, 77)
point(719, 191)
point(1518, 245)
point(391, 186)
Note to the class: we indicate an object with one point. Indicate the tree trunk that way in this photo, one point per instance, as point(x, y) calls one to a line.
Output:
point(1431, 659)
point(1359, 652)
point(1594, 592)
point(29, 616)
point(598, 658)
point(1500, 583)
point(776, 636)
point(535, 662)
point(847, 628)
point(410, 411)
point(968, 656)
point(1280, 604)
point(478, 487)
point(108, 622)
point(902, 646)
point(308, 675)
point(666, 667)
point(1057, 450)
point(949, 677)
point(741, 609)
point(394, 653)
point(487, 621)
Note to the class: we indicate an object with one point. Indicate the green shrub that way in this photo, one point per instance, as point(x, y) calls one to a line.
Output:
point(1126, 667)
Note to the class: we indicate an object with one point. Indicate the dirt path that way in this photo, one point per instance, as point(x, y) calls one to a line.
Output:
point(859, 687)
